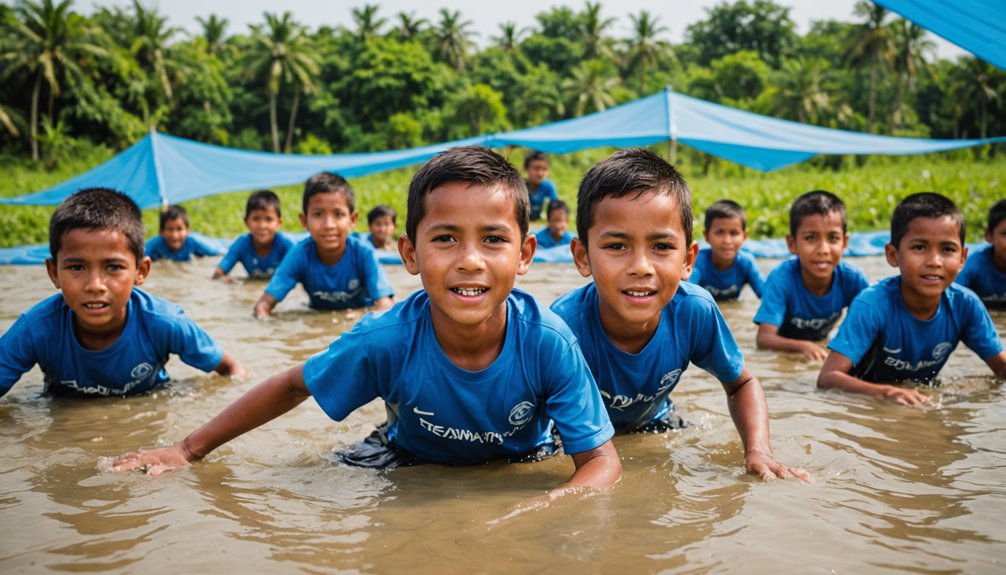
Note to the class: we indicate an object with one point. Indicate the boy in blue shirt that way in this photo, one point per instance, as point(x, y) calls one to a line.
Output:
point(556, 233)
point(985, 272)
point(261, 250)
point(638, 324)
point(100, 336)
point(338, 269)
point(483, 370)
point(381, 221)
point(803, 297)
point(905, 327)
point(723, 269)
point(174, 242)
point(540, 189)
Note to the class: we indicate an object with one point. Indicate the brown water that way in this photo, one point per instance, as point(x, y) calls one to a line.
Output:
point(896, 489)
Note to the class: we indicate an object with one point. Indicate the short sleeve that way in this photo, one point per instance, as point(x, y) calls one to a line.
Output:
point(696, 277)
point(857, 282)
point(574, 403)
point(979, 333)
point(153, 248)
point(714, 348)
point(287, 275)
point(233, 255)
point(193, 345)
point(342, 378)
point(550, 192)
point(964, 278)
point(752, 275)
point(17, 354)
point(376, 279)
point(860, 329)
point(773, 301)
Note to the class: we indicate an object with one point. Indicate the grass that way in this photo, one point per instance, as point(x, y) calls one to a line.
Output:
point(870, 188)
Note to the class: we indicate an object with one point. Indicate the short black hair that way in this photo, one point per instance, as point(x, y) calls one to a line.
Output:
point(631, 171)
point(471, 165)
point(380, 211)
point(815, 203)
point(533, 157)
point(97, 209)
point(174, 212)
point(328, 183)
point(556, 205)
point(725, 209)
point(997, 213)
point(923, 205)
point(263, 200)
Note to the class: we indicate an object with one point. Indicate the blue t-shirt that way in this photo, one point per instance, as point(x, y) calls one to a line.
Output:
point(442, 413)
point(155, 328)
point(545, 241)
point(540, 198)
point(158, 249)
point(799, 314)
point(635, 387)
point(258, 267)
point(727, 284)
point(886, 343)
point(982, 277)
point(356, 280)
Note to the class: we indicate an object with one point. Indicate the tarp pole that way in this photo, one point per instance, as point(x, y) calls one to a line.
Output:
point(672, 142)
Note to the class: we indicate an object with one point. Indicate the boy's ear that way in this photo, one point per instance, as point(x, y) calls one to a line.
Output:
point(988, 236)
point(845, 242)
point(303, 220)
point(791, 244)
point(355, 216)
point(690, 255)
point(142, 271)
point(891, 253)
point(527, 250)
point(408, 253)
point(50, 268)
point(580, 257)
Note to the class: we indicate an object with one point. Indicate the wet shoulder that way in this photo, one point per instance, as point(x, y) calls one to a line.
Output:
point(152, 308)
point(573, 306)
point(851, 276)
point(691, 299)
point(44, 311)
point(537, 320)
point(393, 326)
point(882, 295)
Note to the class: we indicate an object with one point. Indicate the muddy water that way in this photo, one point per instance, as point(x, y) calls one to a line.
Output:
point(896, 489)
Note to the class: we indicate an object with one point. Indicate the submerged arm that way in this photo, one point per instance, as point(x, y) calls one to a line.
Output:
point(835, 375)
point(769, 338)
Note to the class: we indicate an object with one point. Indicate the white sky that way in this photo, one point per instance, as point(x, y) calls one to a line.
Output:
point(486, 16)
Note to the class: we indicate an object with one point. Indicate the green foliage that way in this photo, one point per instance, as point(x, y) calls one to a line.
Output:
point(761, 26)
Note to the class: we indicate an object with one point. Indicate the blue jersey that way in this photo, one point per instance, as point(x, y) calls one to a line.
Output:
point(727, 284)
point(356, 280)
point(444, 414)
point(635, 387)
point(800, 314)
point(157, 249)
point(886, 343)
point(45, 335)
point(982, 277)
point(540, 198)
point(545, 241)
point(258, 267)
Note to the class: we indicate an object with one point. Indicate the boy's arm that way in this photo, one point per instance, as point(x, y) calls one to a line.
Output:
point(835, 375)
point(998, 364)
point(769, 338)
point(264, 306)
point(230, 366)
point(17, 354)
point(263, 403)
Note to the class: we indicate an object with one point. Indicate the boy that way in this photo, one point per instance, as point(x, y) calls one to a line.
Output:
point(539, 188)
point(906, 326)
point(100, 336)
point(638, 324)
point(485, 368)
point(338, 270)
point(261, 250)
point(381, 222)
point(723, 268)
point(174, 242)
point(985, 272)
point(803, 297)
point(556, 233)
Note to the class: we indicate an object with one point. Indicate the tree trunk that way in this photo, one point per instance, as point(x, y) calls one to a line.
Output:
point(34, 116)
point(873, 97)
point(899, 96)
point(293, 122)
point(272, 123)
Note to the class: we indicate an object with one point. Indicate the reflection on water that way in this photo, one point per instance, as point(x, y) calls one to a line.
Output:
point(896, 489)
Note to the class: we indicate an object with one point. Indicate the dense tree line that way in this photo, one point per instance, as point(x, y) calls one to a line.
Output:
point(397, 80)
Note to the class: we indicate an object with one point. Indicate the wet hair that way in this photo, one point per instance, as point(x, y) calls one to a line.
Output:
point(633, 171)
point(556, 205)
point(380, 211)
point(997, 213)
point(815, 203)
point(328, 183)
point(923, 205)
point(725, 209)
point(470, 165)
point(97, 209)
point(262, 200)
point(174, 212)
point(534, 157)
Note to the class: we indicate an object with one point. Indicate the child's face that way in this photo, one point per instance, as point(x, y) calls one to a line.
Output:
point(381, 229)
point(537, 171)
point(929, 256)
point(174, 233)
point(819, 243)
point(96, 271)
point(997, 237)
point(638, 255)
point(558, 221)
point(468, 251)
point(263, 225)
point(329, 221)
point(725, 237)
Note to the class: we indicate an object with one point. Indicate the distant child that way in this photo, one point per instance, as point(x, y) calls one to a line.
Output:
point(338, 270)
point(470, 369)
point(261, 250)
point(803, 297)
point(100, 336)
point(638, 324)
point(723, 269)
point(905, 327)
point(540, 189)
point(985, 271)
point(556, 233)
point(174, 242)
point(382, 222)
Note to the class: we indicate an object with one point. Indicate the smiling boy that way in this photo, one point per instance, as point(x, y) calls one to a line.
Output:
point(173, 241)
point(985, 271)
point(723, 269)
point(262, 249)
point(483, 370)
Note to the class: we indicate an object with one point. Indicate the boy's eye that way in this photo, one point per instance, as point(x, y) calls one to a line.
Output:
point(613, 246)
point(494, 240)
point(75, 267)
point(442, 238)
point(663, 247)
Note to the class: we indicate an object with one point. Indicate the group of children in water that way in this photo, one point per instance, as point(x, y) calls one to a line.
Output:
point(487, 372)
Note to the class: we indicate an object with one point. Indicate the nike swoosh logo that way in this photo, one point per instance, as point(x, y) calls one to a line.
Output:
point(892, 350)
point(418, 411)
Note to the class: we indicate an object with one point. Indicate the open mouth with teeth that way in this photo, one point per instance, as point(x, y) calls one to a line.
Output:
point(635, 293)
point(95, 305)
point(469, 292)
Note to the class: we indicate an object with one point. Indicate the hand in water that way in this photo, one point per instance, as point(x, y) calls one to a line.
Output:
point(905, 396)
point(766, 467)
point(153, 462)
point(542, 501)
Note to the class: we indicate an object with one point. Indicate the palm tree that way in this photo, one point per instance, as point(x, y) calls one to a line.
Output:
point(214, 33)
point(282, 54)
point(800, 91)
point(453, 38)
point(7, 119)
point(509, 37)
point(644, 48)
point(593, 26)
point(975, 80)
point(409, 27)
point(368, 24)
point(149, 46)
point(590, 87)
point(869, 44)
point(910, 47)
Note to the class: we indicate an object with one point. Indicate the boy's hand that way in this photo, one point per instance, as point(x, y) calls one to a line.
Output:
point(153, 462)
point(813, 352)
point(766, 467)
point(904, 395)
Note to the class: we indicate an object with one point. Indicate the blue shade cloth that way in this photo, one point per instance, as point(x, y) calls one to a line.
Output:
point(978, 26)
